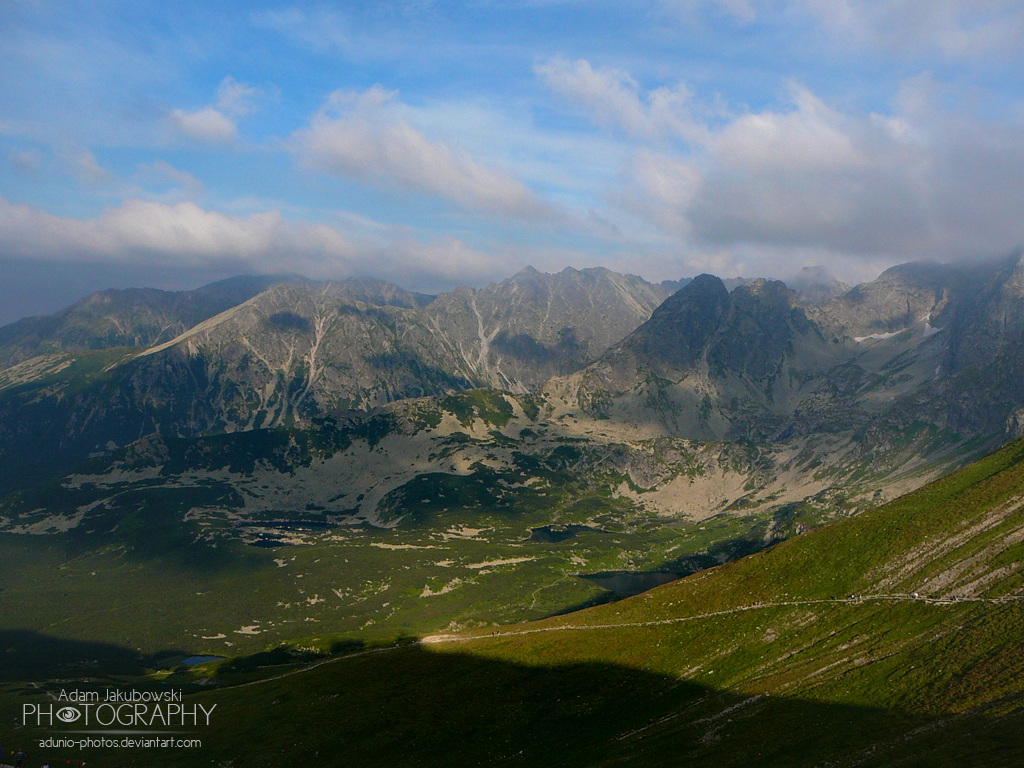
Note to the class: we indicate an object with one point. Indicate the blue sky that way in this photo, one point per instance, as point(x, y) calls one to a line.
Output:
point(440, 143)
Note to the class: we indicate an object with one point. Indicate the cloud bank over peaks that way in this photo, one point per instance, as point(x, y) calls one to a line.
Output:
point(184, 235)
point(366, 136)
point(811, 176)
point(217, 123)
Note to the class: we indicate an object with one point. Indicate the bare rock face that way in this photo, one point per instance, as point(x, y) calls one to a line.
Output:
point(711, 364)
point(1015, 425)
point(517, 334)
point(144, 317)
point(370, 290)
point(925, 344)
point(991, 316)
point(983, 369)
point(680, 329)
point(705, 328)
point(293, 353)
point(899, 298)
point(135, 317)
point(759, 331)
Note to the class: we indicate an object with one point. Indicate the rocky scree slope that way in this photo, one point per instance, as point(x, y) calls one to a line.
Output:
point(517, 334)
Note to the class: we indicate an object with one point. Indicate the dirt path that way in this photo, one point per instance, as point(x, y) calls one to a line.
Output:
point(435, 639)
point(498, 634)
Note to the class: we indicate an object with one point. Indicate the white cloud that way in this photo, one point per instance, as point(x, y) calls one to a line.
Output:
point(217, 123)
point(660, 188)
point(365, 136)
point(613, 100)
point(813, 176)
point(863, 186)
point(83, 164)
point(186, 235)
point(237, 99)
point(207, 124)
point(137, 228)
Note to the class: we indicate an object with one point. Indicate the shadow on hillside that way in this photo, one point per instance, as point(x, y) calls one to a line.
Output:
point(26, 656)
point(424, 708)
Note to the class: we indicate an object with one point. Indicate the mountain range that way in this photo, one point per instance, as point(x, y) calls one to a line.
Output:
point(880, 382)
point(759, 363)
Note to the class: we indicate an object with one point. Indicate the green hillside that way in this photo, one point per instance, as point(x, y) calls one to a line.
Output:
point(891, 638)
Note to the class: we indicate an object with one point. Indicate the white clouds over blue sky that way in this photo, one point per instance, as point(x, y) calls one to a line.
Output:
point(443, 142)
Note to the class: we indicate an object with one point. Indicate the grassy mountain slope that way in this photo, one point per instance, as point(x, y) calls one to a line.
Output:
point(812, 674)
point(890, 639)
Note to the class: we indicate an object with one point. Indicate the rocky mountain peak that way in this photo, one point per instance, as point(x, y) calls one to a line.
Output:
point(518, 333)
point(764, 315)
point(685, 323)
point(814, 285)
point(746, 332)
point(702, 290)
point(920, 274)
point(903, 296)
point(528, 275)
point(371, 290)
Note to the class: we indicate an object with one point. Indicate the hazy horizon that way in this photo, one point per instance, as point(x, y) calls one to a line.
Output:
point(37, 296)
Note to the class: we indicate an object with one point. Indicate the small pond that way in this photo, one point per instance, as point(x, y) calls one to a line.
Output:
point(627, 584)
point(192, 661)
point(552, 534)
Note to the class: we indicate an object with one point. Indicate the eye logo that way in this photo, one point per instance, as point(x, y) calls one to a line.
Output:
point(68, 714)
